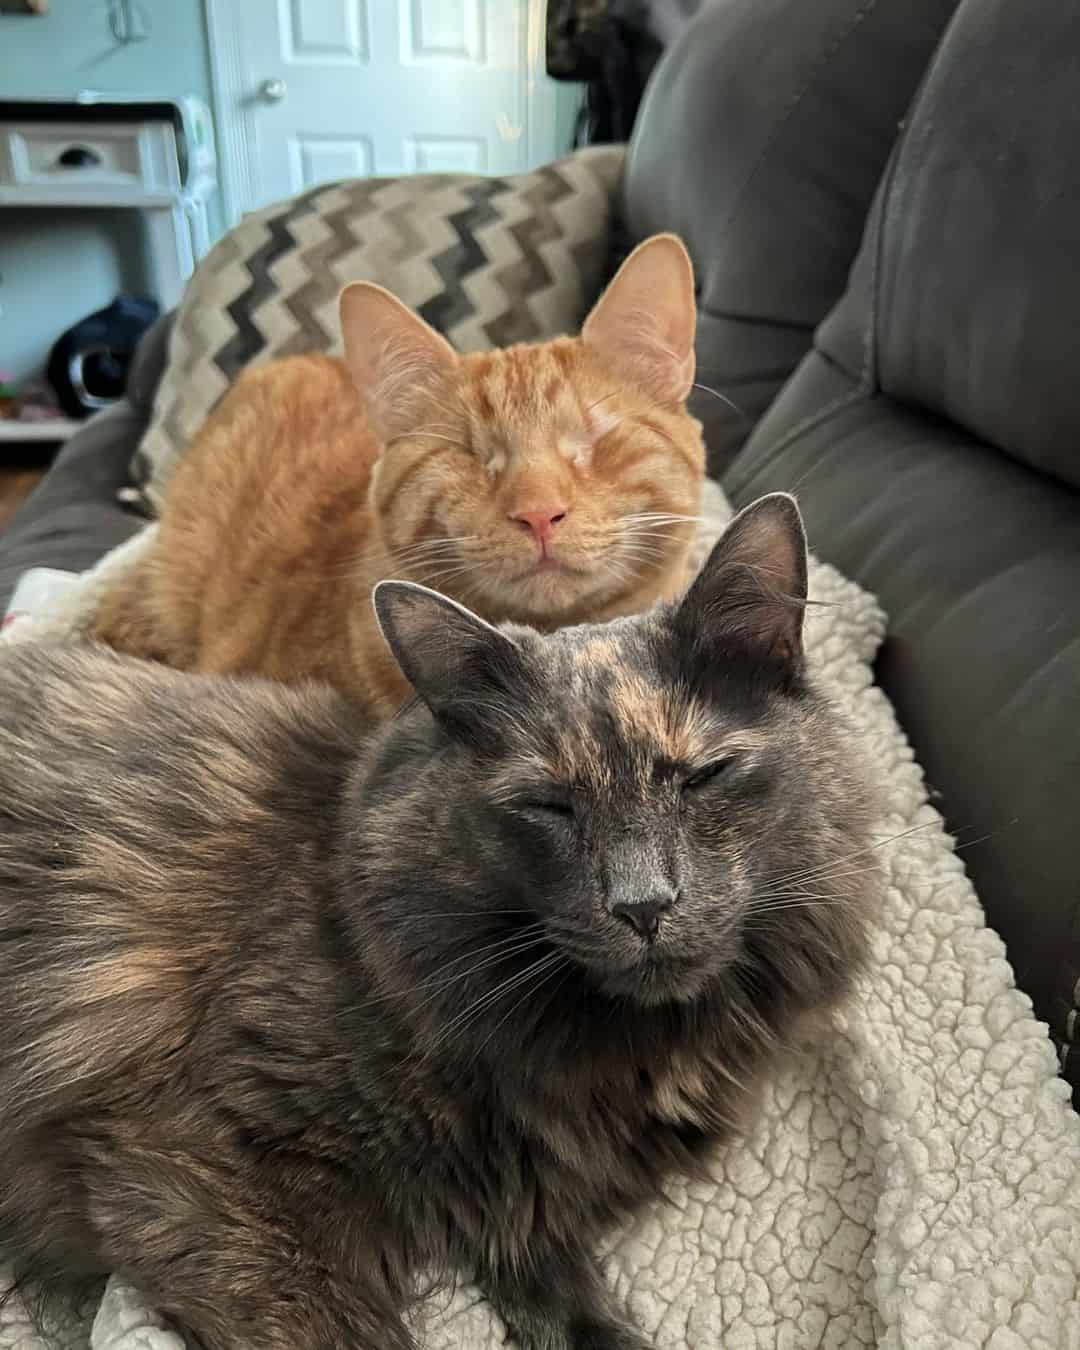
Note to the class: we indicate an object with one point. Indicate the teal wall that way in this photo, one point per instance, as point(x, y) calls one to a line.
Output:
point(568, 99)
point(72, 47)
point(53, 56)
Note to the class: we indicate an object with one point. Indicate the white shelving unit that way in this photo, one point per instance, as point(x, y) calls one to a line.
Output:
point(59, 429)
point(152, 156)
point(89, 160)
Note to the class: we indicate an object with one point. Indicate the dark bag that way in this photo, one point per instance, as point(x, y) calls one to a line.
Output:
point(611, 46)
point(576, 31)
point(88, 365)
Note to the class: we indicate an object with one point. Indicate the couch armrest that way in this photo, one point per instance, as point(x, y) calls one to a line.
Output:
point(73, 517)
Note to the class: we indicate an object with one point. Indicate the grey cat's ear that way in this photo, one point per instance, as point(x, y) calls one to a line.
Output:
point(643, 325)
point(394, 357)
point(468, 673)
point(750, 595)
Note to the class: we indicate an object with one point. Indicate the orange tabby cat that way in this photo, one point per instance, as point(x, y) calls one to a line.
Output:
point(549, 484)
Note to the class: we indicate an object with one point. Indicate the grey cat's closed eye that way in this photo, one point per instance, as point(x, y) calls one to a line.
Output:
point(553, 806)
point(702, 777)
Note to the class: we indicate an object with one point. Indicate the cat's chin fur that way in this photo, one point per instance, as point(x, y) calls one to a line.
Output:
point(651, 981)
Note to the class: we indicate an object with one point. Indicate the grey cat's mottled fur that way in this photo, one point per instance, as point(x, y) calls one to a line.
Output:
point(295, 1011)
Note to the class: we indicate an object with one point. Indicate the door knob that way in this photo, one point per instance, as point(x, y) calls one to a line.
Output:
point(273, 91)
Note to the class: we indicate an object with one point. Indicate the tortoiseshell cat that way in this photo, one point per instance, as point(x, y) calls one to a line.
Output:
point(294, 1011)
point(547, 484)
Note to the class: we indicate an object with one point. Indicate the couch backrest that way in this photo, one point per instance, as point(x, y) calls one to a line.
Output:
point(934, 439)
point(761, 140)
point(970, 273)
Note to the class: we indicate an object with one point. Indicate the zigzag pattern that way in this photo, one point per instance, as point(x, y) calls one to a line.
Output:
point(321, 284)
point(249, 341)
point(486, 261)
point(466, 256)
point(530, 276)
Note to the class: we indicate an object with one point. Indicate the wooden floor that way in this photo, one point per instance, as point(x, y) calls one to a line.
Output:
point(20, 473)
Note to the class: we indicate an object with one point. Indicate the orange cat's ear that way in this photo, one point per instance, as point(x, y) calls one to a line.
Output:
point(393, 355)
point(643, 325)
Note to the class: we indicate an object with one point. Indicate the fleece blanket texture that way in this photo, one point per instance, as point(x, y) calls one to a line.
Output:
point(912, 1180)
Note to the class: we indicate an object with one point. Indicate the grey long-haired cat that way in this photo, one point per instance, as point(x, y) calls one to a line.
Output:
point(294, 1012)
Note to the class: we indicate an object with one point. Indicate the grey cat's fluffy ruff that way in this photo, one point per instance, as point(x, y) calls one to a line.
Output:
point(295, 1011)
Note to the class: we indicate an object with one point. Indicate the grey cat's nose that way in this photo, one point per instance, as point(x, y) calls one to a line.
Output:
point(644, 915)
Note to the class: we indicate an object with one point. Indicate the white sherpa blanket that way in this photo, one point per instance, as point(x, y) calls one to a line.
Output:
point(914, 1182)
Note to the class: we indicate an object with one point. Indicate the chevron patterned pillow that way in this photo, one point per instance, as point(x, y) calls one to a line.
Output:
point(487, 261)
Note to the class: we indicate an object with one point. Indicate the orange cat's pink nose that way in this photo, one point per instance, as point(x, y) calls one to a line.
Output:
point(540, 524)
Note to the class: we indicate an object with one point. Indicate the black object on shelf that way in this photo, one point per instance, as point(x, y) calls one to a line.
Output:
point(78, 157)
point(88, 365)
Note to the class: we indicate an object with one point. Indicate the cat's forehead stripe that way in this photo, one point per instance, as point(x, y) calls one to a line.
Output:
point(645, 714)
point(673, 726)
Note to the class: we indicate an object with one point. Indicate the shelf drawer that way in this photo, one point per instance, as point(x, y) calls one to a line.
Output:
point(76, 160)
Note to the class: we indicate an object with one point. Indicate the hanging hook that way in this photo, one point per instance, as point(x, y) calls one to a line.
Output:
point(128, 20)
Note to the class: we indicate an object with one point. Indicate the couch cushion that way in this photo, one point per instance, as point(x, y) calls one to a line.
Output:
point(761, 140)
point(487, 261)
point(976, 560)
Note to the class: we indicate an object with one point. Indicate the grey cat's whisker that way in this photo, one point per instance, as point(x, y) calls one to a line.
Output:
point(819, 902)
point(784, 888)
point(826, 869)
point(439, 984)
point(796, 894)
point(552, 969)
point(464, 913)
point(507, 940)
point(463, 1019)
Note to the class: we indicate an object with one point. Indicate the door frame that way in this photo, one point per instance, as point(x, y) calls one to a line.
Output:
point(235, 103)
point(232, 112)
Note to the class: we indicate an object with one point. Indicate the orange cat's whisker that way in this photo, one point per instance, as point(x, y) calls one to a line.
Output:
point(451, 573)
point(431, 550)
point(660, 518)
point(435, 436)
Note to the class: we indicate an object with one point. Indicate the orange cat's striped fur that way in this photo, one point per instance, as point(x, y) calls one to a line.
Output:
point(548, 484)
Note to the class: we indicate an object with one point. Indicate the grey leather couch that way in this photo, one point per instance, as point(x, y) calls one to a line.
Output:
point(926, 408)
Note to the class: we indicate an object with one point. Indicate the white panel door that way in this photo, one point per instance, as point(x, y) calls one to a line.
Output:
point(327, 89)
